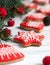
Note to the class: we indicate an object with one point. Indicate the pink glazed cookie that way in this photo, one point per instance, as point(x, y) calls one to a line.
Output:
point(29, 38)
point(44, 10)
point(31, 5)
point(41, 2)
point(35, 17)
point(36, 26)
point(8, 54)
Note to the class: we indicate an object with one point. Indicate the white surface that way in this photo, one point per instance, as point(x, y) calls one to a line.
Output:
point(33, 55)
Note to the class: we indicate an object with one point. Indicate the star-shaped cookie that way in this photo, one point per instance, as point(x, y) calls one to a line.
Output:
point(29, 38)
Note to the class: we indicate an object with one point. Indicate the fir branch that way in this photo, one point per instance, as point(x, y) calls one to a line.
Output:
point(2, 20)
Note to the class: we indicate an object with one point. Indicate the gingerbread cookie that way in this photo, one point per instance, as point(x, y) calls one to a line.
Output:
point(8, 54)
point(37, 26)
point(41, 2)
point(35, 17)
point(29, 38)
point(44, 10)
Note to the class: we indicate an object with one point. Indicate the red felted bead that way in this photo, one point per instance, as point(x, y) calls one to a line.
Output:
point(3, 12)
point(11, 22)
point(7, 31)
point(20, 10)
point(46, 60)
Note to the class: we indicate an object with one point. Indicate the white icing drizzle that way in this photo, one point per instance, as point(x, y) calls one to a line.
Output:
point(31, 4)
point(43, 1)
point(6, 51)
point(34, 24)
point(38, 15)
point(28, 36)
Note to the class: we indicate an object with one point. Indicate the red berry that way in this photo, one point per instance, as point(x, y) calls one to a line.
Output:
point(7, 31)
point(11, 22)
point(46, 60)
point(20, 10)
point(3, 12)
